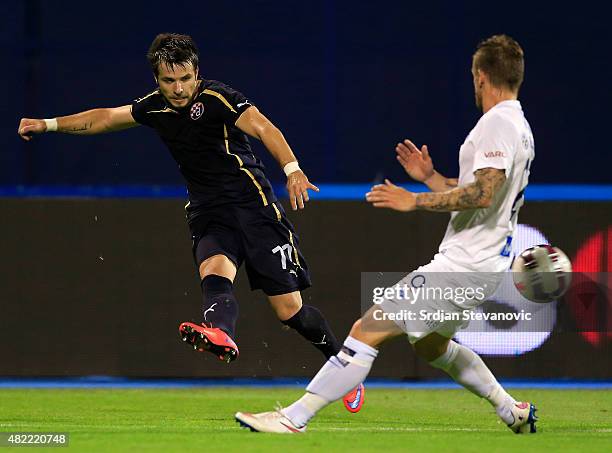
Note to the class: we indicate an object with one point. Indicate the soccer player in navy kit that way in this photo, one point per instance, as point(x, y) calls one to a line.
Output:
point(233, 214)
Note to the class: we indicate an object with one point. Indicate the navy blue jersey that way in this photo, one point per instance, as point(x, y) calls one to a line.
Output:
point(213, 155)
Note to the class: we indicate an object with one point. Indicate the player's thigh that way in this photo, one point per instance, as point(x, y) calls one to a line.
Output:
point(217, 246)
point(273, 259)
point(286, 305)
point(422, 310)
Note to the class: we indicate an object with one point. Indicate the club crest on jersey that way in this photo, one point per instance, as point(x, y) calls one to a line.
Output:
point(197, 110)
point(525, 141)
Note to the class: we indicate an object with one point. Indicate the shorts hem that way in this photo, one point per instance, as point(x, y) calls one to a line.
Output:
point(414, 337)
point(210, 253)
point(281, 291)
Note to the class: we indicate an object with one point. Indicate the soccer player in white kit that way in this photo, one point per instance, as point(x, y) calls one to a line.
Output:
point(494, 163)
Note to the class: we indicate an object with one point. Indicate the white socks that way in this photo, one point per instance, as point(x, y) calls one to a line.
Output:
point(468, 369)
point(304, 409)
point(344, 371)
point(340, 374)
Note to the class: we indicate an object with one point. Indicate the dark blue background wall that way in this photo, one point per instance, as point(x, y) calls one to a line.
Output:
point(344, 81)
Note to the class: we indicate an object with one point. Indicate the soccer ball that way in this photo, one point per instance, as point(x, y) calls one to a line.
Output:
point(542, 273)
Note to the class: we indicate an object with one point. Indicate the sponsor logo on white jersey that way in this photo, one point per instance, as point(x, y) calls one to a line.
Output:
point(495, 154)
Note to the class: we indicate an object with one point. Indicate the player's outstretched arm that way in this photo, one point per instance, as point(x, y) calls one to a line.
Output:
point(254, 123)
point(90, 122)
point(417, 163)
point(478, 194)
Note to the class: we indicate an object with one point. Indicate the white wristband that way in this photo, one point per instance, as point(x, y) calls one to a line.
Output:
point(291, 167)
point(51, 124)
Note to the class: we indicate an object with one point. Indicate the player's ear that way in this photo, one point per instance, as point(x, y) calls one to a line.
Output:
point(482, 78)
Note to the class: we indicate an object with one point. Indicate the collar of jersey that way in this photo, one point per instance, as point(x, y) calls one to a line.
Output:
point(514, 103)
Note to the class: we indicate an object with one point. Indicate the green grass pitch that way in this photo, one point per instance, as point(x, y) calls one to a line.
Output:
point(201, 419)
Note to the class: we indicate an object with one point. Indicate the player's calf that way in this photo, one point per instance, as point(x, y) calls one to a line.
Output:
point(219, 306)
point(310, 323)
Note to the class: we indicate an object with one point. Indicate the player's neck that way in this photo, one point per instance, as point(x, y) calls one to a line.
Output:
point(196, 92)
point(494, 97)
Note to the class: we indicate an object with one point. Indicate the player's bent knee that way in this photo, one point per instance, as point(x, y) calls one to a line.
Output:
point(286, 305)
point(218, 265)
point(356, 329)
point(286, 310)
point(431, 347)
point(372, 334)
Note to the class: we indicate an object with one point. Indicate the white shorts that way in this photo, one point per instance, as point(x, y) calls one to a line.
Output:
point(443, 293)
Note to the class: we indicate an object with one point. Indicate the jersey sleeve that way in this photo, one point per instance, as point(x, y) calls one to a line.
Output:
point(225, 103)
point(495, 145)
point(141, 106)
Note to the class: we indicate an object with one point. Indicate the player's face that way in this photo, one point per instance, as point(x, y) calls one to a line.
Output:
point(477, 88)
point(177, 83)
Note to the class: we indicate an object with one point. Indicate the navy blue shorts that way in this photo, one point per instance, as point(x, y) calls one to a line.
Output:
point(262, 238)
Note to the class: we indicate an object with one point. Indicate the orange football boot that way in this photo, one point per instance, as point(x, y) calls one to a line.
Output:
point(211, 339)
point(354, 399)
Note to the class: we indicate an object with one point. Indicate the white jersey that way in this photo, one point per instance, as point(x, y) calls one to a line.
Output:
point(479, 239)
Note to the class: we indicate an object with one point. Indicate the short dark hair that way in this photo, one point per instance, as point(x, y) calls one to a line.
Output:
point(501, 58)
point(172, 49)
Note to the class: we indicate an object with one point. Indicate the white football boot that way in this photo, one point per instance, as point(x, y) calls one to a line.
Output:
point(524, 418)
point(268, 422)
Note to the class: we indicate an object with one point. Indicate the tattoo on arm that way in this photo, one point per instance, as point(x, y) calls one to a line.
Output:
point(478, 194)
point(84, 127)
